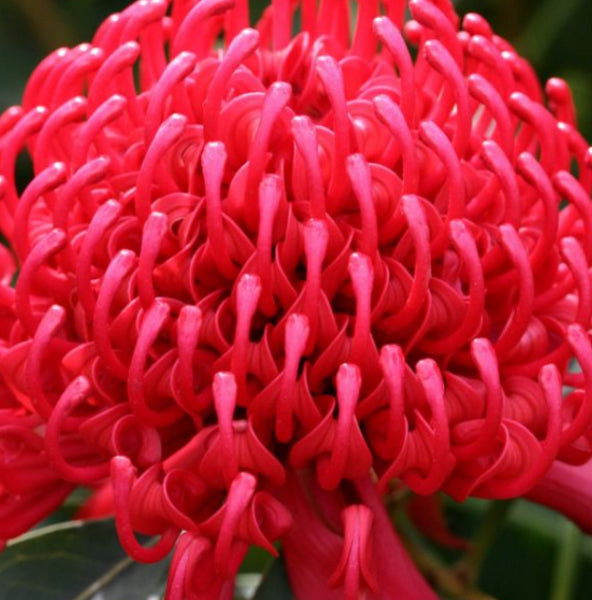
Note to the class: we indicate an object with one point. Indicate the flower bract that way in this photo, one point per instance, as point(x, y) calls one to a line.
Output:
point(267, 275)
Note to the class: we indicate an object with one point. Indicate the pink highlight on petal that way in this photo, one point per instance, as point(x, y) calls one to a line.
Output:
point(239, 49)
point(332, 79)
point(90, 173)
point(392, 362)
point(354, 570)
point(394, 119)
point(561, 100)
point(118, 269)
point(46, 148)
point(316, 237)
point(153, 233)
point(333, 470)
point(117, 67)
point(362, 277)
point(176, 72)
point(306, 141)
point(46, 181)
point(359, 174)
point(188, 331)
point(122, 476)
point(240, 493)
point(152, 322)
point(168, 133)
point(224, 389)
point(192, 21)
point(102, 220)
point(391, 37)
point(12, 143)
point(296, 338)
point(47, 331)
point(517, 324)
point(247, 298)
point(110, 110)
point(46, 247)
point(213, 162)
point(441, 60)
point(487, 94)
point(77, 392)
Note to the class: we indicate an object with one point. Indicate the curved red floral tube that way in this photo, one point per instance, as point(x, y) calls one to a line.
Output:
point(259, 282)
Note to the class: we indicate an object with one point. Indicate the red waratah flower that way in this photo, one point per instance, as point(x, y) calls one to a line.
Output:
point(261, 281)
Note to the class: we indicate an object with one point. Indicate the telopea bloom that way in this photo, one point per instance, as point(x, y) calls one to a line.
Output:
point(264, 277)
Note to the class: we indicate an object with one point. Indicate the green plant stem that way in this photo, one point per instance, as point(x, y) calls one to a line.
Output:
point(445, 580)
point(105, 579)
point(470, 566)
point(566, 567)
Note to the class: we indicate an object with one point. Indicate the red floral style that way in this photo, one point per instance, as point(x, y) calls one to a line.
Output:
point(261, 280)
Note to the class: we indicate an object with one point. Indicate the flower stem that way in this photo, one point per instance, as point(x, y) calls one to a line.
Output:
point(566, 567)
point(446, 580)
point(471, 564)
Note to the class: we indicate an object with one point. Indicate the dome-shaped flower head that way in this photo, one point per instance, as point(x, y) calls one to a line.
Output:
point(263, 277)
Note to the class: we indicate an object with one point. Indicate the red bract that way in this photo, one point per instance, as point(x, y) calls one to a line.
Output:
point(260, 281)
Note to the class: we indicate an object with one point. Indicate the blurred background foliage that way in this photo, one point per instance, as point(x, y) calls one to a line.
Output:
point(555, 35)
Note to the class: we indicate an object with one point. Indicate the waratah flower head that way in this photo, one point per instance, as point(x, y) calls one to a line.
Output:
point(262, 276)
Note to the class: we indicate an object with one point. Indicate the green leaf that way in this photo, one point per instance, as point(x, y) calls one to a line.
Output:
point(522, 562)
point(76, 560)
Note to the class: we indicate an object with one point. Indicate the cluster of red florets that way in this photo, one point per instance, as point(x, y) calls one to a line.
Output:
point(290, 266)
